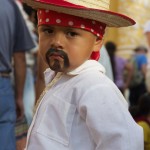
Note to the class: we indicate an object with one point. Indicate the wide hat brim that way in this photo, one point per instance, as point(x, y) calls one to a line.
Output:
point(111, 19)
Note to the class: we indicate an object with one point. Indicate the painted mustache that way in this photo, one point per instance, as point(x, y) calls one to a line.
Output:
point(56, 64)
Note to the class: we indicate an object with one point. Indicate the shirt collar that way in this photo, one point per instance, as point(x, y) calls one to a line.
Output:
point(87, 65)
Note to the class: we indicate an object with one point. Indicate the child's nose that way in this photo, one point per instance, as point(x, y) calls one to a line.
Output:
point(58, 41)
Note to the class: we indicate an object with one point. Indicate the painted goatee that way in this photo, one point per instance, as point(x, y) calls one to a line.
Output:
point(57, 60)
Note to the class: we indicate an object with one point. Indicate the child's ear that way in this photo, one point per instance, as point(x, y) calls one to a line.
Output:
point(98, 44)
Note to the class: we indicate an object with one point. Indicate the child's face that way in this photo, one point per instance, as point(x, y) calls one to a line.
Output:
point(74, 46)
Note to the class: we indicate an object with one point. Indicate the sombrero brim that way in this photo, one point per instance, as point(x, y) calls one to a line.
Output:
point(110, 18)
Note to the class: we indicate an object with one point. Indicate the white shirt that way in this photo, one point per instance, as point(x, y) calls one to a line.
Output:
point(84, 110)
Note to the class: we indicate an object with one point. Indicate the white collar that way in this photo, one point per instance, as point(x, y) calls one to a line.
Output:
point(87, 65)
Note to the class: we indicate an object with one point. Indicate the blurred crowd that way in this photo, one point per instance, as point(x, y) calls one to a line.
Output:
point(131, 76)
point(18, 57)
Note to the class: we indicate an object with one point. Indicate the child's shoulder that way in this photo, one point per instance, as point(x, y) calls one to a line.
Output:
point(95, 79)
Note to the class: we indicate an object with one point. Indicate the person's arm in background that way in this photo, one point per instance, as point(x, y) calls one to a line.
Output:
point(148, 37)
point(40, 83)
point(143, 64)
point(23, 42)
point(19, 78)
point(129, 70)
point(144, 69)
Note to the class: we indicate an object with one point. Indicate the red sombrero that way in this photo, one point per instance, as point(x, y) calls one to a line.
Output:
point(97, 10)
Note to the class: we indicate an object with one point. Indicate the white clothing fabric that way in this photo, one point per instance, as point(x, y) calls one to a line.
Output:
point(147, 27)
point(105, 61)
point(84, 110)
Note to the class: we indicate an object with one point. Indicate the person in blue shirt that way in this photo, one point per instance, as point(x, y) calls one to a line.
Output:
point(139, 89)
point(15, 40)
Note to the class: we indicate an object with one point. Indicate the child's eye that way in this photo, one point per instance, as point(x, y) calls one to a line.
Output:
point(47, 31)
point(72, 34)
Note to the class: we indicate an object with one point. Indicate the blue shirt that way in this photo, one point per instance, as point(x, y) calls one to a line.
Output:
point(14, 34)
point(141, 60)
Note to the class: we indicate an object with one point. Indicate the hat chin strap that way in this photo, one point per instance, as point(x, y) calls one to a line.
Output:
point(95, 55)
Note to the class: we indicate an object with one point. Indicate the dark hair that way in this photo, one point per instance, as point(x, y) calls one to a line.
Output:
point(139, 48)
point(143, 107)
point(111, 49)
point(144, 104)
point(28, 9)
point(31, 13)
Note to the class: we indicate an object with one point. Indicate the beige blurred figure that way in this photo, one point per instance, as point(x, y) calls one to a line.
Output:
point(147, 34)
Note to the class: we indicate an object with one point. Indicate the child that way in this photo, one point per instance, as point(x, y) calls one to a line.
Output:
point(80, 108)
point(141, 114)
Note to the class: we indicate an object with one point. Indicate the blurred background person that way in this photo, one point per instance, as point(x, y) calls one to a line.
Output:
point(119, 66)
point(29, 90)
point(15, 40)
point(141, 114)
point(105, 61)
point(137, 85)
point(29, 87)
point(147, 35)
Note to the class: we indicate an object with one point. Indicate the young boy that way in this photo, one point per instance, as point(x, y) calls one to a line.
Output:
point(80, 108)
